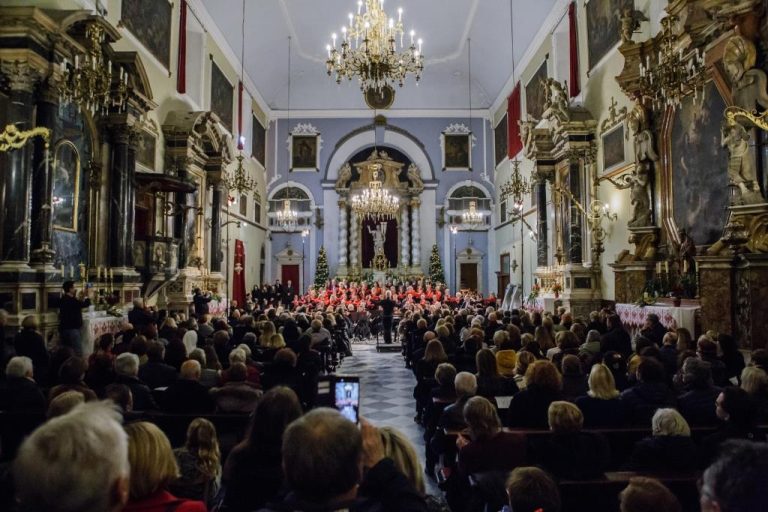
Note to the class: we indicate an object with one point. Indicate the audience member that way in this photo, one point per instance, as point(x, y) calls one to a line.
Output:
point(155, 373)
point(616, 339)
point(199, 462)
point(645, 494)
point(71, 378)
point(187, 394)
point(735, 482)
point(19, 392)
point(127, 370)
point(696, 403)
point(529, 407)
point(63, 403)
point(670, 448)
point(601, 406)
point(650, 392)
point(237, 395)
point(531, 489)
point(739, 415)
point(30, 343)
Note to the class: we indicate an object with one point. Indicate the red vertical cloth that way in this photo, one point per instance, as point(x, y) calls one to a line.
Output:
point(240, 116)
point(238, 273)
point(181, 70)
point(515, 145)
point(573, 38)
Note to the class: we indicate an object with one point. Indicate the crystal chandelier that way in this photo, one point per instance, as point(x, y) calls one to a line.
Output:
point(372, 49)
point(376, 202)
point(472, 217)
point(238, 180)
point(287, 218)
point(516, 188)
point(671, 77)
point(88, 82)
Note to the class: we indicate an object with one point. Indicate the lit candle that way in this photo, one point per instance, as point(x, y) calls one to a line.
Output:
point(351, 18)
point(399, 14)
point(111, 274)
point(62, 271)
point(328, 47)
point(333, 37)
point(359, 6)
point(71, 271)
point(666, 267)
point(344, 33)
point(98, 273)
point(413, 33)
point(420, 42)
point(77, 61)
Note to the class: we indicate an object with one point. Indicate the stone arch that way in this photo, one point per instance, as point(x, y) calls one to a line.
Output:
point(460, 184)
point(293, 184)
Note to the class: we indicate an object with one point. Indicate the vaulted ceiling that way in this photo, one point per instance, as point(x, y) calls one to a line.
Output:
point(445, 26)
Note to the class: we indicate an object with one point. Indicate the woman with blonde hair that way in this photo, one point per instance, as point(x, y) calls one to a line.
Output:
point(528, 408)
point(754, 381)
point(524, 360)
point(199, 463)
point(153, 469)
point(267, 330)
point(601, 406)
point(670, 448)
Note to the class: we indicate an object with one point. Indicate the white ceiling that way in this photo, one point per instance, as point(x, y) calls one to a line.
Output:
point(444, 25)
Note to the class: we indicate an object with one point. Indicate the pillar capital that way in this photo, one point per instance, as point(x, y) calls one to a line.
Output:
point(22, 74)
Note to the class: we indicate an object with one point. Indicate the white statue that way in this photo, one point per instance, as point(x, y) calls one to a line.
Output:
point(345, 174)
point(741, 166)
point(379, 237)
point(414, 176)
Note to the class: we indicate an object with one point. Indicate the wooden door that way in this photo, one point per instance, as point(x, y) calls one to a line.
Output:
point(468, 276)
point(290, 273)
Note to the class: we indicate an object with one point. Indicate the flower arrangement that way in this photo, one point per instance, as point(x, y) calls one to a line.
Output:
point(646, 299)
point(115, 311)
point(556, 289)
point(535, 291)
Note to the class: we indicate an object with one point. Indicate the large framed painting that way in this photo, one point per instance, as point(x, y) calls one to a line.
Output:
point(501, 140)
point(614, 148)
point(304, 152)
point(603, 27)
point(259, 144)
point(456, 152)
point(222, 97)
point(698, 167)
point(66, 185)
point(150, 21)
point(535, 96)
point(146, 149)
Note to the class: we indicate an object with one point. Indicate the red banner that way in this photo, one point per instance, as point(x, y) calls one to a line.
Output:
point(515, 145)
point(181, 66)
point(238, 274)
point(574, 88)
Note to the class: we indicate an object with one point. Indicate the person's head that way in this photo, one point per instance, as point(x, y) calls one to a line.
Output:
point(120, 395)
point(465, 384)
point(736, 406)
point(153, 465)
point(237, 372)
point(322, 455)
point(644, 494)
point(669, 422)
point(485, 360)
point(531, 489)
point(445, 374)
point(68, 287)
point(754, 381)
point(593, 336)
point(564, 417)
point(524, 360)
point(30, 322)
point(434, 352)
point(706, 348)
point(286, 357)
point(127, 364)
point(77, 462)
point(601, 382)
point(571, 366)
point(190, 370)
point(276, 409)
point(649, 370)
point(236, 356)
point(73, 370)
point(481, 418)
point(697, 374)
point(735, 482)
point(543, 374)
point(203, 443)
point(19, 367)
point(155, 352)
point(64, 403)
point(398, 448)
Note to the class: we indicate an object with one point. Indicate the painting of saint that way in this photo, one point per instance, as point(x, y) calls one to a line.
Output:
point(150, 22)
point(259, 145)
point(304, 152)
point(535, 93)
point(604, 27)
point(501, 139)
point(222, 100)
point(145, 150)
point(699, 167)
point(613, 148)
point(456, 151)
point(66, 185)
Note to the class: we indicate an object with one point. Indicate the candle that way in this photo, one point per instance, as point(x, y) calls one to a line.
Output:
point(413, 33)
point(62, 271)
point(359, 6)
point(98, 273)
point(666, 267)
point(399, 14)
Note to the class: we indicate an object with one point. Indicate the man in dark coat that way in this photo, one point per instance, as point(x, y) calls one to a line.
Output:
point(155, 373)
point(20, 392)
point(200, 302)
point(650, 393)
point(616, 339)
point(71, 316)
point(187, 395)
point(127, 369)
point(288, 294)
point(653, 330)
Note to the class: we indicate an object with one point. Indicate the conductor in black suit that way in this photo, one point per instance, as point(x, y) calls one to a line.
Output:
point(200, 302)
point(387, 306)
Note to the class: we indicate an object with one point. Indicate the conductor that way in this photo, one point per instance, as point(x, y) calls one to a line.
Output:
point(387, 306)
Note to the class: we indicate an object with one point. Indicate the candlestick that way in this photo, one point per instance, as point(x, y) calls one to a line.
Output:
point(63, 275)
point(112, 274)
point(71, 271)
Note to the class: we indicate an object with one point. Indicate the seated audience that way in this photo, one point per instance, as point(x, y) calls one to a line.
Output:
point(19, 392)
point(755, 382)
point(453, 416)
point(489, 383)
point(650, 392)
point(209, 376)
point(739, 416)
point(187, 394)
point(30, 343)
point(153, 469)
point(155, 373)
point(531, 489)
point(524, 360)
point(63, 403)
point(71, 378)
point(127, 370)
point(574, 383)
point(616, 339)
point(731, 357)
point(670, 448)
point(653, 330)
point(121, 396)
point(706, 350)
point(735, 482)
point(199, 462)
point(645, 494)
point(601, 406)
point(592, 344)
point(696, 403)
point(528, 408)
point(236, 395)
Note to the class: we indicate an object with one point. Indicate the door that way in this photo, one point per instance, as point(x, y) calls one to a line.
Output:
point(468, 276)
point(291, 273)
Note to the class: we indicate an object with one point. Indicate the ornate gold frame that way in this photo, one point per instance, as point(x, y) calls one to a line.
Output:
point(78, 176)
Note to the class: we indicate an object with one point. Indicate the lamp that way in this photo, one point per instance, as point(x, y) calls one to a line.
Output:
point(287, 217)
point(375, 202)
point(596, 212)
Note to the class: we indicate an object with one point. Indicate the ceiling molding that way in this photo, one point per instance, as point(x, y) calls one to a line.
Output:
point(389, 114)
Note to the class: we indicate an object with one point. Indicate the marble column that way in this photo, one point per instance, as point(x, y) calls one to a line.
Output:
point(573, 254)
point(183, 222)
point(415, 235)
point(354, 242)
point(216, 201)
point(15, 166)
point(343, 234)
point(405, 235)
point(122, 197)
point(542, 244)
point(42, 182)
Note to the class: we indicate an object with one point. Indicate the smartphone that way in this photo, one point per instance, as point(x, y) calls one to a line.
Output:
point(342, 393)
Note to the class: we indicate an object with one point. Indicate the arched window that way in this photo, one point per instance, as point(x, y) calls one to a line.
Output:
point(300, 202)
point(460, 200)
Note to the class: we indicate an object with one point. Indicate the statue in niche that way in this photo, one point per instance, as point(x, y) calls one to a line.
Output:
point(630, 23)
point(345, 174)
point(685, 253)
point(748, 84)
point(556, 102)
point(414, 177)
point(742, 173)
point(379, 237)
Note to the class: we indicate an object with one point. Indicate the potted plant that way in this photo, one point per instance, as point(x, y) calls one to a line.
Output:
point(556, 289)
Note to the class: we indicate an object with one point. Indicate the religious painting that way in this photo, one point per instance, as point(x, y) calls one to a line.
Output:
point(698, 166)
point(535, 93)
point(457, 151)
point(222, 96)
point(259, 144)
point(604, 27)
point(150, 22)
point(304, 152)
point(613, 148)
point(501, 140)
point(145, 150)
point(66, 185)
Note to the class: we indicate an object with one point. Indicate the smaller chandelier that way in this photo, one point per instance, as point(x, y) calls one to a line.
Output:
point(516, 188)
point(287, 218)
point(88, 82)
point(376, 202)
point(472, 217)
point(238, 180)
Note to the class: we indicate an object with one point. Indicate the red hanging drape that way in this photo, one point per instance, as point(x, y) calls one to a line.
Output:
point(573, 51)
point(181, 71)
point(238, 274)
point(240, 116)
point(515, 145)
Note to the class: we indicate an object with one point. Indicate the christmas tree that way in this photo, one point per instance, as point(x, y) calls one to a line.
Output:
point(436, 273)
point(321, 270)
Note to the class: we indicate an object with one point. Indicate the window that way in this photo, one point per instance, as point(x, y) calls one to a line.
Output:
point(257, 207)
point(244, 205)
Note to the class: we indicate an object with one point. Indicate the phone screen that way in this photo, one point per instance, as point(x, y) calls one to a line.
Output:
point(347, 398)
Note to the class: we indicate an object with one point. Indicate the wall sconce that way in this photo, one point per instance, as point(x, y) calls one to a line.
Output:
point(594, 216)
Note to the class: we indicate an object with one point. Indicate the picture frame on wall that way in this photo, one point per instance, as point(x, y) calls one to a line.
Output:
point(614, 148)
point(304, 145)
point(603, 27)
point(501, 140)
point(222, 97)
point(146, 147)
point(66, 177)
point(535, 93)
point(259, 143)
point(150, 22)
point(456, 143)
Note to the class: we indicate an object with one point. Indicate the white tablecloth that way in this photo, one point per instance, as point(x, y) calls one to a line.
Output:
point(633, 316)
point(95, 326)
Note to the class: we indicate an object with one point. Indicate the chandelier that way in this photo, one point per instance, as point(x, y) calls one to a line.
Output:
point(238, 180)
point(516, 188)
point(287, 218)
point(671, 77)
point(372, 49)
point(88, 82)
point(375, 202)
point(472, 217)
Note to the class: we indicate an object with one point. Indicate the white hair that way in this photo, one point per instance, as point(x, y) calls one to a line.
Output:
point(465, 384)
point(190, 341)
point(127, 363)
point(669, 422)
point(72, 462)
point(19, 366)
point(245, 348)
point(237, 356)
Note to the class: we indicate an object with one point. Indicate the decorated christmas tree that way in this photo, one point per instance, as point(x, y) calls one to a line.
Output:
point(436, 273)
point(321, 270)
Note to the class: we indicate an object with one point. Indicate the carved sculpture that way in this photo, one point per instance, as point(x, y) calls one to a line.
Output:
point(748, 83)
point(414, 176)
point(556, 103)
point(630, 23)
point(686, 252)
point(379, 237)
point(742, 172)
point(345, 174)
